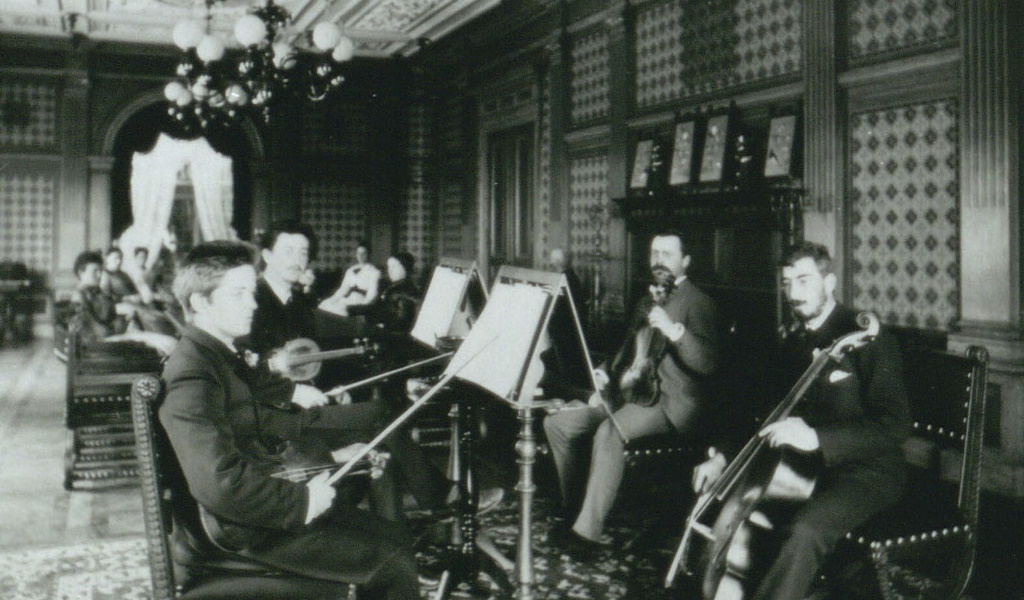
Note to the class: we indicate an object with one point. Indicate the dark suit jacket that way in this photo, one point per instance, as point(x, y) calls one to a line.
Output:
point(224, 460)
point(274, 324)
point(859, 406)
point(687, 364)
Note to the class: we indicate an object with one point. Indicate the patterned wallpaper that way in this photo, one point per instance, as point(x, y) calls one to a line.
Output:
point(731, 42)
point(335, 129)
point(337, 212)
point(27, 203)
point(880, 26)
point(454, 160)
point(544, 194)
point(28, 114)
point(417, 228)
point(659, 38)
point(905, 221)
point(589, 79)
point(588, 188)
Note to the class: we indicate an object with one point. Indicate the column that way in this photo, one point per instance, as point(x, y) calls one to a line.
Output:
point(99, 200)
point(73, 111)
point(823, 138)
point(989, 208)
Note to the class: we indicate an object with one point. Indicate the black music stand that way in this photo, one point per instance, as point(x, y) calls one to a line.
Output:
point(528, 311)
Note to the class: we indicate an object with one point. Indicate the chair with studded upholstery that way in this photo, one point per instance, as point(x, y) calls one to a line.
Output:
point(924, 548)
point(183, 563)
point(100, 447)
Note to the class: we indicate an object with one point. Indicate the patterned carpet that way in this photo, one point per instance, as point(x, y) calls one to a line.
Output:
point(118, 569)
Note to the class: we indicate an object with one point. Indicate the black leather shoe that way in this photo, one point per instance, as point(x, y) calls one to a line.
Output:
point(579, 548)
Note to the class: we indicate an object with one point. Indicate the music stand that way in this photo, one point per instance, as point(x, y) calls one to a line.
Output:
point(527, 310)
point(453, 301)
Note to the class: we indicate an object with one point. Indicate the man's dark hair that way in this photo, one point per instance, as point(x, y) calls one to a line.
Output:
point(817, 252)
point(292, 226)
point(672, 233)
point(205, 265)
point(86, 258)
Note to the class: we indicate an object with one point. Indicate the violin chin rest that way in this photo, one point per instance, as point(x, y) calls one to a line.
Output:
point(761, 520)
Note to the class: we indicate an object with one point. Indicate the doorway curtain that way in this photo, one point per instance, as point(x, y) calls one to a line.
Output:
point(153, 179)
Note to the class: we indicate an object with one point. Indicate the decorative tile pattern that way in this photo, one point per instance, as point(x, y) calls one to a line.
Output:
point(395, 15)
point(589, 78)
point(416, 229)
point(588, 189)
point(335, 129)
point(731, 42)
point(453, 161)
point(28, 114)
point(879, 26)
point(27, 219)
point(337, 212)
point(659, 32)
point(905, 213)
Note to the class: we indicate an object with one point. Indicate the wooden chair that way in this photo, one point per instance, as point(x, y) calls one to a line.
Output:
point(924, 548)
point(183, 563)
point(100, 447)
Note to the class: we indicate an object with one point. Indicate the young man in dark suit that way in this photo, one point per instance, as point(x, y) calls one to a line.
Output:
point(852, 422)
point(687, 320)
point(226, 442)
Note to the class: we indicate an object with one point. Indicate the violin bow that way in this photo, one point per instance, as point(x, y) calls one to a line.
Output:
point(402, 418)
point(341, 389)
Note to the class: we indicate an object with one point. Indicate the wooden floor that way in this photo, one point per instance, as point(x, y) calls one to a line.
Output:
point(35, 509)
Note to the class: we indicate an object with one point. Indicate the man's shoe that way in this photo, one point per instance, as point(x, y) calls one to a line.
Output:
point(579, 548)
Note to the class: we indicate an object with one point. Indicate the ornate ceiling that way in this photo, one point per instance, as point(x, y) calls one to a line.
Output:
point(379, 27)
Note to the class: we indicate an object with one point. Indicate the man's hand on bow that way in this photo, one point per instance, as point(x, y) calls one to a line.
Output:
point(308, 396)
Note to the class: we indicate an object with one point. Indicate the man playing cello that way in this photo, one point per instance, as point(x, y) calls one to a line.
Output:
point(852, 422)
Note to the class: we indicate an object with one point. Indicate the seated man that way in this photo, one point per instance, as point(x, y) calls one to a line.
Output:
point(228, 461)
point(683, 317)
point(852, 423)
point(358, 287)
point(96, 309)
point(115, 282)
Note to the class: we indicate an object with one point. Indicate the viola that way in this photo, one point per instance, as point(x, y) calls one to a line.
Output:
point(301, 358)
point(639, 382)
point(727, 523)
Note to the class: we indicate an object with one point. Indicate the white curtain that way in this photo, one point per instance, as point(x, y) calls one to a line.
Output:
point(153, 179)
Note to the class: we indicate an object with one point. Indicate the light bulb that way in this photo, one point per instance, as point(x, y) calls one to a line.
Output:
point(326, 36)
point(237, 95)
point(211, 49)
point(184, 98)
point(344, 50)
point(187, 34)
point(250, 30)
point(173, 90)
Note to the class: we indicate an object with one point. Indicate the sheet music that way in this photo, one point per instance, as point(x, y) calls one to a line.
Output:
point(440, 305)
point(495, 352)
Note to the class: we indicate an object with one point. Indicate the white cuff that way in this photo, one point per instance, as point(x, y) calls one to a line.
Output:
point(677, 332)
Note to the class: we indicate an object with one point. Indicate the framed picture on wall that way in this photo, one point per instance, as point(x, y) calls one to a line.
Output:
point(782, 139)
point(683, 150)
point(641, 164)
point(716, 141)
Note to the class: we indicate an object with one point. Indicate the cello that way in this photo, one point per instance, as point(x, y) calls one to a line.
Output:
point(727, 517)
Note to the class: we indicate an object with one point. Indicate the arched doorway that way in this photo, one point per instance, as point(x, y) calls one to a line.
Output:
point(139, 133)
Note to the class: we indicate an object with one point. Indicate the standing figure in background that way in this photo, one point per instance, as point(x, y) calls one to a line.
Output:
point(359, 286)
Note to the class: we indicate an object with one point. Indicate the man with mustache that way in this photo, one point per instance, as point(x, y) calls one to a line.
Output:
point(852, 423)
point(685, 318)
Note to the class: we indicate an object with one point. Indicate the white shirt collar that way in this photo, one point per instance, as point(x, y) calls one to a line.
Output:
point(282, 290)
point(816, 323)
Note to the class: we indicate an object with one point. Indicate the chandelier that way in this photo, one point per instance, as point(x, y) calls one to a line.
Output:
point(208, 90)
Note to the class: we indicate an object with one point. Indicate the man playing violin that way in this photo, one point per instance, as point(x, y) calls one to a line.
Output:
point(685, 318)
point(228, 448)
point(852, 422)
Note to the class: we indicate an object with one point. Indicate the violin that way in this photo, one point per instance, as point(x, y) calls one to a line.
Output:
point(301, 358)
point(639, 382)
point(728, 516)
